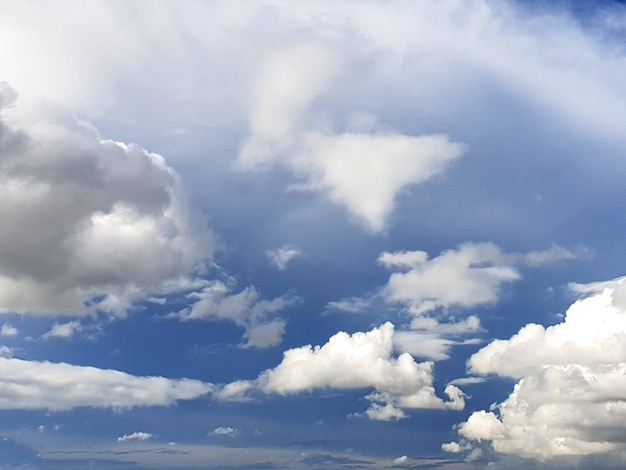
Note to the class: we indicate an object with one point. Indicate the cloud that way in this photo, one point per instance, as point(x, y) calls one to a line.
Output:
point(8, 330)
point(63, 330)
point(470, 275)
point(245, 308)
point(225, 431)
point(136, 436)
point(88, 224)
point(400, 460)
point(35, 385)
point(357, 361)
point(281, 256)
point(363, 172)
point(264, 335)
point(569, 400)
point(426, 345)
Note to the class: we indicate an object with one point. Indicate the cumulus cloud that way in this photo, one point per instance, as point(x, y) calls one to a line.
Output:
point(136, 436)
point(569, 400)
point(281, 256)
point(88, 224)
point(8, 330)
point(217, 302)
point(400, 460)
point(63, 330)
point(35, 385)
point(470, 275)
point(225, 431)
point(363, 172)
point(361, 360)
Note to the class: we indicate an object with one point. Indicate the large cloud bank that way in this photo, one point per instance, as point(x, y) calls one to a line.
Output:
point(570, 399)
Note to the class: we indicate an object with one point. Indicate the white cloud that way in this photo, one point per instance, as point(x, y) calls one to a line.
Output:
point(289, 80)
point(426, 345)
point(361, 360)
point(136, 436)
point(363, 172)
point(225, 431)
point(8, 330)
point(264, 335)
point(34, 385)
point(470, 275)
point(88, 224)
point(281, 256)
point(400, 460)
point(349, 305)
point(216, 302)
point(63, 330)
point(467, 381)
point(570, 398)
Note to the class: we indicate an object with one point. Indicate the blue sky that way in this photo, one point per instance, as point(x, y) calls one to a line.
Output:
point(309, 235)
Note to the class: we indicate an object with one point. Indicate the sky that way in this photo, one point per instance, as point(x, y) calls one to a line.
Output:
point(281, 234)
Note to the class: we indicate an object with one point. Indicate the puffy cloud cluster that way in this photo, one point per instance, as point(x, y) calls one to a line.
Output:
point(87, 224)
point(33, 385)
point(470, 275)
point(361, 171)
point(357, 361)
point(570, 398)
point(258, 316)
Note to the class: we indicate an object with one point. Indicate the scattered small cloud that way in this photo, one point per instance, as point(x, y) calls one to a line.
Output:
point(136, 436)
point(215, 301)
point(63, 330)
point(225, 431)
point(283, 255)
point(8, 330)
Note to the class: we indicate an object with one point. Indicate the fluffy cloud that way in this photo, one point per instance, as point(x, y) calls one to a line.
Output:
point(281, 256)
point(469, 275)
point(361, 360)
point(88, 224)
point(216, 302)
point(570, 398)
point(363, 172)
point(33, 385)
point(136, 436)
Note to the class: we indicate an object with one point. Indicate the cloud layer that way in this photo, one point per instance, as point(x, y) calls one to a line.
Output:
point(34, 385)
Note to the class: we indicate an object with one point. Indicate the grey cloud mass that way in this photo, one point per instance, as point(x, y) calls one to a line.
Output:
point(87, 224)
